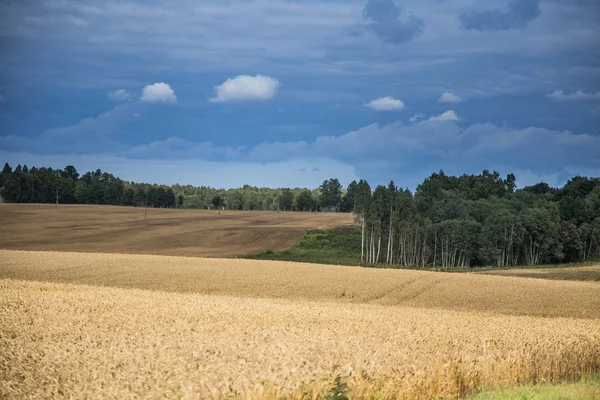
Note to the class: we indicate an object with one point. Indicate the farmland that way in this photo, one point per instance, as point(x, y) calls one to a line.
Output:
point(571, 273)
point(83, 341)
point(298, 281)
point(112, 229)
point(94, 319)
point(118, 325)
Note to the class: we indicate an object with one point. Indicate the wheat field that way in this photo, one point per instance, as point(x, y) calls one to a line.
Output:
point(299, 281)
point(77, 341)
point(82, 325)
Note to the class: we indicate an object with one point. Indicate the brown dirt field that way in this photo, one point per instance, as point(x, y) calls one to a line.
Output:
point(111, 229)
point(78, 341)
point(269, 279)
point(590, 273)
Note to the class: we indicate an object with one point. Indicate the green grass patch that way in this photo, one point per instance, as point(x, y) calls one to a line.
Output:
point(587, 388)
point(339, 246)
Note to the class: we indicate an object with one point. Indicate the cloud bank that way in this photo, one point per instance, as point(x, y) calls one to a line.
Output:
point(559, 95)
point(518, 15)
point(406, 153)
point(390, 22)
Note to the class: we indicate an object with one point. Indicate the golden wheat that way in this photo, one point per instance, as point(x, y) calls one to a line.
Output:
point(77, 341)
point(257, 329)
point(251, 278)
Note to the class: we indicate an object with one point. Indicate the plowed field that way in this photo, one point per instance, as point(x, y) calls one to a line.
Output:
point(109, 229)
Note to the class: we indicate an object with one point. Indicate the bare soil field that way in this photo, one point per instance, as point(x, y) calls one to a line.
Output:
point(590, 273)
point(111, 229)
point(80, 341)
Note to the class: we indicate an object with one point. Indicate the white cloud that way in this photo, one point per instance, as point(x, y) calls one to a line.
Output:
point(387, 103)
point(447, 116)
point(417, 117)
point(159, 92)
point(448, 97)
point(559, 95)
point(136, 114)
point(246, 87)
point(120, 95)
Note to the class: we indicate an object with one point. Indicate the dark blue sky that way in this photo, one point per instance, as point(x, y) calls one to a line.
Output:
point(289, 93)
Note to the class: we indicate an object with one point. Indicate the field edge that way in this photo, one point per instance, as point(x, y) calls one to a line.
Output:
point(587, 387)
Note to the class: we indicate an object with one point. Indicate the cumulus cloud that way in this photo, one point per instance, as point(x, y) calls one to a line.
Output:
point(387, 103)
point(559, 95)
point(159, 92)
point(447, 116)
point(120, 95)
point(246, 88)
point(390, 22)
point(518, 15)
point(417, 117)
point(448, 97)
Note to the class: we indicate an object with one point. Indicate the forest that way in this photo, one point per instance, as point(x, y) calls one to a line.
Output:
point(449, 221)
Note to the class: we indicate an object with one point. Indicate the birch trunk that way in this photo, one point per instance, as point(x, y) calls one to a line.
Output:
point(362, 239)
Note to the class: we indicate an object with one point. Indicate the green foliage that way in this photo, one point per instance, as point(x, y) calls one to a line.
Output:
point(41, 185)
point(347, 204)
point(362, 199)
point(234, 200)
point(338, 391)
point(286, 200)
point(540, 188)
point(331, 195)
point(339, 246)
point(304, 201)
point(476, 220)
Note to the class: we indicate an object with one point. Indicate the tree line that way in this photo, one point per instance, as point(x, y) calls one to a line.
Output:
point(448, 221)
point(476, 220)
point(43, 185)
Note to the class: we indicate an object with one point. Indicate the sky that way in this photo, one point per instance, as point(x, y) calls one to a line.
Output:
point(290, 93)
